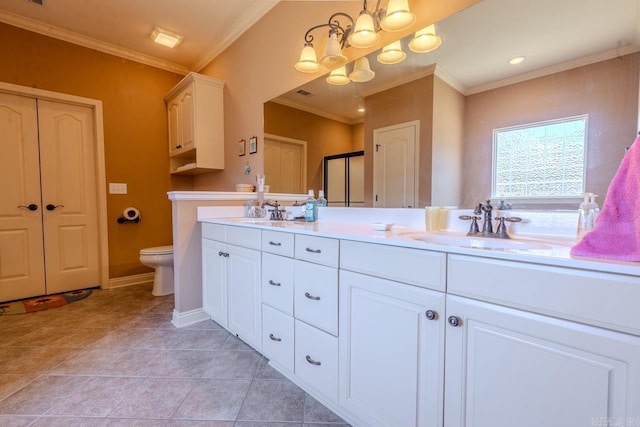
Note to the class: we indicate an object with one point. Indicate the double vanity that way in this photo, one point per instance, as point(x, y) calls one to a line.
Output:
point(404, 327)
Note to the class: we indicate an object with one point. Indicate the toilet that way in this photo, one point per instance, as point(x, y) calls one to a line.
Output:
point(160, 258)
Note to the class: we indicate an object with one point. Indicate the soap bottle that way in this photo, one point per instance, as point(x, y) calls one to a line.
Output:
point(586, 215)
point(321, 202)
point(593, 206)
point(310, 208)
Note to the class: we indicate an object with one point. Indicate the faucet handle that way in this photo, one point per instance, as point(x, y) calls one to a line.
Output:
point(501, 231)
point(473, 228)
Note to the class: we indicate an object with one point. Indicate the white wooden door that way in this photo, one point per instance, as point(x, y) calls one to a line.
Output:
point(70, 206)
point(214, 280)
point(285, 166)
point(243, 294)
point(21, 248)
point(391, 354)
point(395, 171)
point(507, 367)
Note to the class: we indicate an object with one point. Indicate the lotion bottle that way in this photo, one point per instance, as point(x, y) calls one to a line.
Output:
point(310, 208)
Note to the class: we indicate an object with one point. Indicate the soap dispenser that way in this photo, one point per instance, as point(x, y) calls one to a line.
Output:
point(586, 215)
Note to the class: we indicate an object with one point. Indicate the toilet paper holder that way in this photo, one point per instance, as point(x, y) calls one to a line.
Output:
point(130, 214)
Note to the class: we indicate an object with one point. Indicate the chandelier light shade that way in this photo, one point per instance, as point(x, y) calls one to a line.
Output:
point(333, 56)
point(361, 71)
point(425, 40)
point(364, 33)
point(392, 53)
point(308, 62)
point(398, 16)
point(338, 77)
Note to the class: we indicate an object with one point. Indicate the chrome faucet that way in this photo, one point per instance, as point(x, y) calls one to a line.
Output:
point(276, 212)
point(486, 209)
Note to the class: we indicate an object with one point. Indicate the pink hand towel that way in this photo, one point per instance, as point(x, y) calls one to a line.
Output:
point(616, 234)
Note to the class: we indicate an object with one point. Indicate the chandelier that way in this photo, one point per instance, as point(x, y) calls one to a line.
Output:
point(361, 33)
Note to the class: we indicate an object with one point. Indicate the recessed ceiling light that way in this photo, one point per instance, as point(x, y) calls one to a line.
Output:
point(165, 38)
point(516, 60)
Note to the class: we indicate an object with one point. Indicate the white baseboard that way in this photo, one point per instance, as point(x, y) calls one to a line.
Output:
point(136, 279)
point(186, 318)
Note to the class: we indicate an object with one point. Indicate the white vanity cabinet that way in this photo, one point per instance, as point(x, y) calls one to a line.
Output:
point(196, 125)
point(391, 336)
point(507, 366)
point(231, 265)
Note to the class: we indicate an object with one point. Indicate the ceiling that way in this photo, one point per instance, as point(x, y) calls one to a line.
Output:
point(477, 42)
point(123, 27)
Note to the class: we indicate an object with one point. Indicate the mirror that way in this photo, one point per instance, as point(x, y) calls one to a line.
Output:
point(580, 58)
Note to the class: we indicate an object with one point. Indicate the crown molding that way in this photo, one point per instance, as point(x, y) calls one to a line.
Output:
point(250, 17)
point(317, 112)
point(91, 43)
point(580, 62)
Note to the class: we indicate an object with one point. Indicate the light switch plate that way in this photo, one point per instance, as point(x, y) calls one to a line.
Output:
point(117, 188)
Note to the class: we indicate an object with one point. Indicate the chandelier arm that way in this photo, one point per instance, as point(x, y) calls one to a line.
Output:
point(342, 32)
point(308, 37)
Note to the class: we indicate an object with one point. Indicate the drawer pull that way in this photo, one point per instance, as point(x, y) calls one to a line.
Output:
point(272, 283)
point(314, 251)
point(313, 362)
point(274, 338)
point(308, 295)
point(275, 243)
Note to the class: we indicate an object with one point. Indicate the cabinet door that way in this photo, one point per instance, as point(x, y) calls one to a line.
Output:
point(186, 99)
point(173, 113)
point(244, 295)
point(507, 367)
point(214, 280)
point(391, 354)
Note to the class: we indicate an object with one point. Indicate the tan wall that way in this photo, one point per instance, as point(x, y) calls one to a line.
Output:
point(324, 137)
point(259, 66)
point(357, 137)
point(607, 91)
point(135, 130)
point(405, 103)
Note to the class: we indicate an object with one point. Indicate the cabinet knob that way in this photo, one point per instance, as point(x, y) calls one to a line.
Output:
point(274, 338)
point(431, 315)
point(311, 361)
point(454, 321)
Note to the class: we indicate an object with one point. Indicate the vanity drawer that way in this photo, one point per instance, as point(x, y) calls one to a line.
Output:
point(277, 242)
point(600, 299)
point(418, 267)
point(316, 295)
point(277, 282)
point(321, 250)
point(316, 359)
point(244, 236)
point(277, 337)
point(214, 232)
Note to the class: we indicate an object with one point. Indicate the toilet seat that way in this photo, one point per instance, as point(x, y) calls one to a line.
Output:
point(157, 250)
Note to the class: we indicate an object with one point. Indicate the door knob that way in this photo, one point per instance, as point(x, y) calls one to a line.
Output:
point(51, 207)
point(31, 207)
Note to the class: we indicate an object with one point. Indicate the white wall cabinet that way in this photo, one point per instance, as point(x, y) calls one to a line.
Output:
point(196, 125)
point(231, 281)
point(507, 367)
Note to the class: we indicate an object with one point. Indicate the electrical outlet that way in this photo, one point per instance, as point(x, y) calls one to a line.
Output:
point(117, 188)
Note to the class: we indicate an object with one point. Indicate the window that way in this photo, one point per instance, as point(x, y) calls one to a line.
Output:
point(540, 160)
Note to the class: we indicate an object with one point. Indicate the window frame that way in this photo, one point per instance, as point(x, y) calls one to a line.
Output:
point(541, 200)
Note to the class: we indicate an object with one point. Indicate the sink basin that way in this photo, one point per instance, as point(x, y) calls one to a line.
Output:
point(480, 242)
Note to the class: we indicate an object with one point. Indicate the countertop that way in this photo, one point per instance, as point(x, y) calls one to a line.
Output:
point(546, 250)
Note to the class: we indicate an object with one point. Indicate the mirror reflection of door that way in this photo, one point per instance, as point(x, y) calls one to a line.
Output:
point(285, 164)
point(395, 170)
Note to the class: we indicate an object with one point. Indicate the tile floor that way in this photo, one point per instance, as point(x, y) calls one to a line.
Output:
point(115, 359)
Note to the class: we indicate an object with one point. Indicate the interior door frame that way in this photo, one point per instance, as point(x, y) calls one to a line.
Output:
point(101, 191)
point(303, 145)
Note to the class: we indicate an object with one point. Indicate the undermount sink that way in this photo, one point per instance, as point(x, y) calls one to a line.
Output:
point(478, 242)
